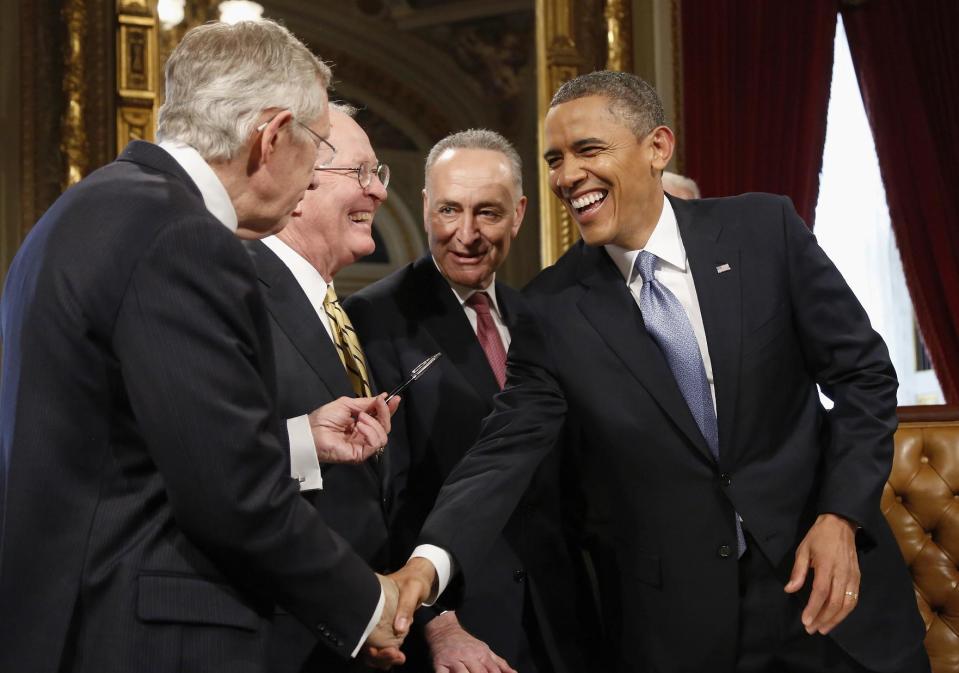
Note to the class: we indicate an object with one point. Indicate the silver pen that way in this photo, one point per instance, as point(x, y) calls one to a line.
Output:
point(417, 372)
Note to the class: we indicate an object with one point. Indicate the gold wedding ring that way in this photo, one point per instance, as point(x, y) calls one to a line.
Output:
point(852, 594)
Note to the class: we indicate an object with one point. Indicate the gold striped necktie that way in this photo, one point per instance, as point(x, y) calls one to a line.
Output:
point(347, 345)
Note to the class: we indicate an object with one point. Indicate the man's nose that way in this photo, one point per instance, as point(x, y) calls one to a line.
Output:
point(467, 232)
point(569, 174)
point(376, 190)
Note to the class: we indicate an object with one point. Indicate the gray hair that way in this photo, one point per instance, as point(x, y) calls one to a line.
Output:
point(344, 108)
point(631, 98)
point(221, 77)
point(479, 139)
point(673, 182)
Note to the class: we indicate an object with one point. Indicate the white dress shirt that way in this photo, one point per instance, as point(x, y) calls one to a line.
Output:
point(217, 201)
point(214, 194)
point(672, 270)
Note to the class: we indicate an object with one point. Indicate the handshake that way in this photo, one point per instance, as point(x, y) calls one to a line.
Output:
point(404, 591)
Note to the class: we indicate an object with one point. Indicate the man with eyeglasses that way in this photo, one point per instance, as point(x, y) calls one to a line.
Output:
point(318, 358)
point(147, 518)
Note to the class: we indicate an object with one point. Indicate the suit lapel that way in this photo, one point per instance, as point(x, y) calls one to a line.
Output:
point(611, 310)
point(444, 319)
point(717, 276)
point(293, 313)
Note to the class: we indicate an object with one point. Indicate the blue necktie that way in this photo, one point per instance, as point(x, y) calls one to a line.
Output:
point(669, 326)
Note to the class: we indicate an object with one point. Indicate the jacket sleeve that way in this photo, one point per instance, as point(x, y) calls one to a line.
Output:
point(483, 489)
point(850, 362)
point(194, 350)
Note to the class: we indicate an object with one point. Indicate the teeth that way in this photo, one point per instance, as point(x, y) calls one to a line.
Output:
point(587, 199)
point(361, 217)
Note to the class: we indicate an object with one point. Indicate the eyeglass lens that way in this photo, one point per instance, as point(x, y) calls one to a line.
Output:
point(366, 172)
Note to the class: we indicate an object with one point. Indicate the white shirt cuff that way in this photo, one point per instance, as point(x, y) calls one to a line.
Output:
point(443, 563)
point(377, 613)
point(304, 465)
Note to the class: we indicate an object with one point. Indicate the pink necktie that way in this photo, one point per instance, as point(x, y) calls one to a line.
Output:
point(488, 336)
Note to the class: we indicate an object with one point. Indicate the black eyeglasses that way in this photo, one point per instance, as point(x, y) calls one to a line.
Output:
point(364, 173)
point(325, 152)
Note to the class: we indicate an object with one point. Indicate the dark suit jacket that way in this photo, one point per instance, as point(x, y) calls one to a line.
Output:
point(148, 518)
point(352, 500)
point(653, 510)
point(402, 320)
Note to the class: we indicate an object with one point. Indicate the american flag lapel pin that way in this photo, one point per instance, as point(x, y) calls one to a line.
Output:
point(723, 268)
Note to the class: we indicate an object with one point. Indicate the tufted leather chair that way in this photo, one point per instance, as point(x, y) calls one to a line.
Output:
point(921, 503)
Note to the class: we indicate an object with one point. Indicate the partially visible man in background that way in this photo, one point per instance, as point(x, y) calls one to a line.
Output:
point(318, 359)
point(680, 186)
point(147, 517)
point(450, 301)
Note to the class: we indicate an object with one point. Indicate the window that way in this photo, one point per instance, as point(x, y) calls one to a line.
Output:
point(853, 227)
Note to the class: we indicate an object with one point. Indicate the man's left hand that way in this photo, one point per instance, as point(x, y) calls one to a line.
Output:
point(455, 650)
point(830, 549)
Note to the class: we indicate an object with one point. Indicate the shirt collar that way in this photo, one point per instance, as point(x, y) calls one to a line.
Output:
point(665, 242)
point(214, 194)
point(305, 273)
point(463, 292)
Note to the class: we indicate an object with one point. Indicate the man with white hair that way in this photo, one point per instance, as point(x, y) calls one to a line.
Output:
point(680, 186)
point(148, 521)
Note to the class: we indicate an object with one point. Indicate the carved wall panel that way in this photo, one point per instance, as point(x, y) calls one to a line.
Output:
point(137, 72)
point(558, 60)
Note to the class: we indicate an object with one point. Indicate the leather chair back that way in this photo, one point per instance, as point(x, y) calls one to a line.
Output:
point(921, 503)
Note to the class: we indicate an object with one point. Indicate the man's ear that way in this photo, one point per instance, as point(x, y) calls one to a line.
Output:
point(520, 211)
point(662, 142)
point(270, 136)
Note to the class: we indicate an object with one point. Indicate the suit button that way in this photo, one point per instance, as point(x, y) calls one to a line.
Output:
point(725, 479)
point(519, 576)
point(724, 551)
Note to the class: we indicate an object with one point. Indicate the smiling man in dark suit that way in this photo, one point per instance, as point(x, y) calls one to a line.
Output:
point(731, 522)
point(147, 518)
point(316, 360)
point(450, 301)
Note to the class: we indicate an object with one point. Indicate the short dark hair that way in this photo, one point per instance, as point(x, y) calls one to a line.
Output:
point(631, 98)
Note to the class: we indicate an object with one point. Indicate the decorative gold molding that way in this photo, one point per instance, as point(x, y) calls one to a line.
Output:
point(138, 65)
point(557, 60)
point(73, 141)
point(619, 43)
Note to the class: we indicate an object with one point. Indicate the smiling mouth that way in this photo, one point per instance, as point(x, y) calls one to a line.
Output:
point(468, 258)
point(364, 217)
point(588, 202)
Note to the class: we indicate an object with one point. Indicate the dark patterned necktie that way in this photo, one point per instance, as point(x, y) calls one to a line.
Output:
point(347, 345)
point(488, 336)
point(669, 326)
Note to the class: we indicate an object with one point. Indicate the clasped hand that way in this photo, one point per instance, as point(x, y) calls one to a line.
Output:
point(351, 429)
point(404, 591)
